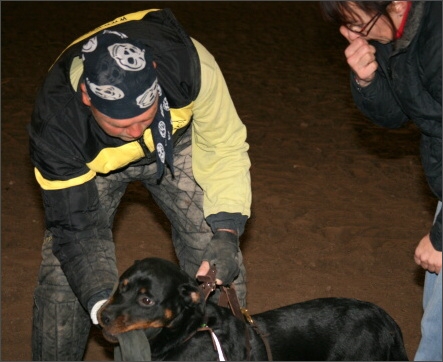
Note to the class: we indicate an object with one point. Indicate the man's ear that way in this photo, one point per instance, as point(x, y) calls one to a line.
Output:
point(85, 98)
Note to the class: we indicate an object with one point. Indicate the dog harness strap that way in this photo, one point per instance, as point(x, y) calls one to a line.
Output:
point(215, 342)
point(229, 298)
point(257, 330)
point(221, 356)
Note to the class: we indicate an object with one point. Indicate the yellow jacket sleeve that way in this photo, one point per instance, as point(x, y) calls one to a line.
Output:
point(220, 157)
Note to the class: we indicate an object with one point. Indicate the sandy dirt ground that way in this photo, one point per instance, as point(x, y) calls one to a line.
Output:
point(338, 203)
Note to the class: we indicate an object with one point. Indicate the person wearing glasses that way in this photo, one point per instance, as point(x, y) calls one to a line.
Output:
point(394, 55)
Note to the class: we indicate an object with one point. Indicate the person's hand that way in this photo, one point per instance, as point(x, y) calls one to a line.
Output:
point(427, 257)
point(360, 56)
point(222, 251)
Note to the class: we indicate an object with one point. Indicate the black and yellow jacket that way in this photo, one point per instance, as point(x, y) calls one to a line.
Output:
point(68, 148)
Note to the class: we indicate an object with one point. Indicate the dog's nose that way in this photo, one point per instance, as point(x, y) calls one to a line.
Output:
point(103, 317)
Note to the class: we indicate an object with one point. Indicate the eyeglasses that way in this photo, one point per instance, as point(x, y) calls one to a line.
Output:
point(365, 29)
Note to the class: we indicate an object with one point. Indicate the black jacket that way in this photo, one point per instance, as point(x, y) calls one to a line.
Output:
point(407, 87)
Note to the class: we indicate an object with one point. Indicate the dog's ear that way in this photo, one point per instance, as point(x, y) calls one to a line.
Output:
point(191, 295)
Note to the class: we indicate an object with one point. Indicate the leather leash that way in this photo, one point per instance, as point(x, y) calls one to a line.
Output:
point(259, 332)
point(208, 283)
point(228, 299)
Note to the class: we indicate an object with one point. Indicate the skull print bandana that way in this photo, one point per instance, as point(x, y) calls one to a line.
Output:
point(122, 83)
point(162, 134)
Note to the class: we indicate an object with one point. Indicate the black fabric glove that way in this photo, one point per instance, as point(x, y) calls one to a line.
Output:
point(227, 220)
point(222, 252)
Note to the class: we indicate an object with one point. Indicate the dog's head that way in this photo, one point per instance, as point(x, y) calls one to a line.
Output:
point(151, 295)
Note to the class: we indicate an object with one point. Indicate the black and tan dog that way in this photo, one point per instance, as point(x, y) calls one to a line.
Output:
point(158, 297)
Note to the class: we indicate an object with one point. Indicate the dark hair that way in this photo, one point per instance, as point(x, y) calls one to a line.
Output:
point(339, 11)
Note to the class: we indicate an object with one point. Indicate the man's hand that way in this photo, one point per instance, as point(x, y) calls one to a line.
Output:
point(427, 257)
point(222, 251)
point(360, 56)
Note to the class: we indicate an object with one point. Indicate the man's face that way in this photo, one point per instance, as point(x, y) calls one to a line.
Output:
point(129, 129)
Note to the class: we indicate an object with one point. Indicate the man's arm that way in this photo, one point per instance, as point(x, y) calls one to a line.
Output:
point(82, 238)
point(221, 167)
point(82, 241)
point(220, 158)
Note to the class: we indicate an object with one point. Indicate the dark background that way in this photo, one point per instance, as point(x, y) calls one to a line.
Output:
point(338, 204)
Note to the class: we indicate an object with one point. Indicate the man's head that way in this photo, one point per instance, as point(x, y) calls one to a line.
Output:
point(120, 82)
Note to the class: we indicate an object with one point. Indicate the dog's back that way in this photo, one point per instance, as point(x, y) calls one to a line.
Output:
point(332, 329)
point(158, 297)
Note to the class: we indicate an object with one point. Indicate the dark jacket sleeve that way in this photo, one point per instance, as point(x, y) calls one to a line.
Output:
point(377, 102)
point(82, 241)
point(82, 237)
point(435, 236)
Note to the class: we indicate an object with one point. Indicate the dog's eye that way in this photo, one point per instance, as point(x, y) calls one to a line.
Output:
point(146, 301)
